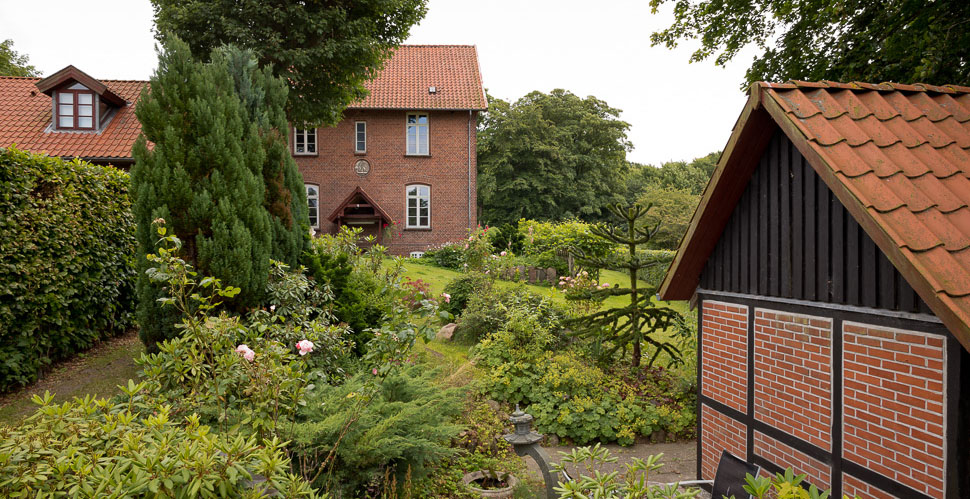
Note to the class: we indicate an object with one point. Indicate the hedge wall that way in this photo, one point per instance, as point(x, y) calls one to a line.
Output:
point(67, 242)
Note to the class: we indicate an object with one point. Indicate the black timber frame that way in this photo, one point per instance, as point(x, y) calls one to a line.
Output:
point(956, 431)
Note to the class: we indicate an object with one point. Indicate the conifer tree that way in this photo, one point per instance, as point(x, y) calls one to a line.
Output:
point(212, 161)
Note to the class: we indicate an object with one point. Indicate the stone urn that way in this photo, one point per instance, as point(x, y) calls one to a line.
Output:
point(502, 493)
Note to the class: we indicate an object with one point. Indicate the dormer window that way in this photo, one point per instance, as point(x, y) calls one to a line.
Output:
point(75, 108)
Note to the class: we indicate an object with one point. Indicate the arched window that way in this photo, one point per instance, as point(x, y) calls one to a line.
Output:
point(419, 206)
point(313, 204)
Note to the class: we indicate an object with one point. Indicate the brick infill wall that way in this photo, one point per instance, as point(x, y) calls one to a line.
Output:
point(724, 370)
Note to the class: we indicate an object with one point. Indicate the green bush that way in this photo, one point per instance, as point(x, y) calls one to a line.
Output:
point(461, 290)
point(399, 427)
point(654, 275)
point(548, 242)
point(507, 238)
point(66, 260)
point(94, 448)
point(448, 256)
point(526, 363)
point(487, 311)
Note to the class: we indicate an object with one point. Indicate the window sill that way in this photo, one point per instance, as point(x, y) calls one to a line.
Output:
point(417, 155)
point(360, 153)
point(419, 229)
point(305, 154)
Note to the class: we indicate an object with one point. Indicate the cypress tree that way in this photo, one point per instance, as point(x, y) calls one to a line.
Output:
point(213, 162)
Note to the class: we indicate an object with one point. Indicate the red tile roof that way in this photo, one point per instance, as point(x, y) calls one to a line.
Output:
point(25, 116)
point(897, 156)
point(403, 83)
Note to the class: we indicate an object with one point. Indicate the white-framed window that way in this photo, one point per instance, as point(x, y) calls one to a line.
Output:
point(416, 254)
point(75, 108)
point(304, 141)
point(417, 134)
point(313, 204)
point(360, 136)
point(419, 206)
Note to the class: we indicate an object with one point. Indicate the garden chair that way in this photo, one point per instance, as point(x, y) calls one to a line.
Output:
point(729, 477)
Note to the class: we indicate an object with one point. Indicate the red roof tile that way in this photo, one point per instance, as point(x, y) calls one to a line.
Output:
point(25, 118)
point(403, 83)
point(897, 156)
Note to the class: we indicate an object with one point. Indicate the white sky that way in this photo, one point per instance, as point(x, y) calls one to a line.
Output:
point(678, 111)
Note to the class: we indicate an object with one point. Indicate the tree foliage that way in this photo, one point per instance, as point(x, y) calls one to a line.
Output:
point(14, 64)
point(843, 40)
point(550, 157)
point(325, 50)
point(672, 211)
point(628, 327)
point(218, 172)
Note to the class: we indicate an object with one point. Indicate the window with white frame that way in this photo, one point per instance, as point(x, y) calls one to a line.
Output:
point(419, 206)
point(360, 136)
point(304, 141)
point(313, 204)
point(75, 108)
point(417, 134)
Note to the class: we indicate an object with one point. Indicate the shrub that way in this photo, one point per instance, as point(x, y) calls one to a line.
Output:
point(462, 288)
point(487, 311)
point(94, 448)
point(549, 242)
point(66, 260)
point(399, 427)
point(525, 363)
point(507, 238)
point(654, 275)
point(449, 256)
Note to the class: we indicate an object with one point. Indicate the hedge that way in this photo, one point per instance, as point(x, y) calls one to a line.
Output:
point(66, 260)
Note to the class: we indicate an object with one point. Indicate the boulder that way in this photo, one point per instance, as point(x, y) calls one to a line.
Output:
point(446, 332)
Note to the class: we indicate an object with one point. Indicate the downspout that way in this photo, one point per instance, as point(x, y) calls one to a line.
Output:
point(469, 148)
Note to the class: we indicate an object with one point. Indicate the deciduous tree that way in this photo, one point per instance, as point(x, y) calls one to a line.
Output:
point(325, 50)
point(845, 40)
point(14, 64)
point(552, 157)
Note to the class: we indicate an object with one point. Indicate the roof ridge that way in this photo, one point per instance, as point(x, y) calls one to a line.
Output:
point(887, 86)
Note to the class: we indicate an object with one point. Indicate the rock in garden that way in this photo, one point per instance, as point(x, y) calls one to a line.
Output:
point(446, 332)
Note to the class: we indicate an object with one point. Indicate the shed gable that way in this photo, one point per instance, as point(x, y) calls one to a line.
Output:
point(790, 237)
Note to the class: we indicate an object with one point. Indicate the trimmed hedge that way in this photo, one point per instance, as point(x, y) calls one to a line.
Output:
point(66, 260)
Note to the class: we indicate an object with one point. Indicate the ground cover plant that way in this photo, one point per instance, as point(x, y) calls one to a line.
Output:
point(67, 272)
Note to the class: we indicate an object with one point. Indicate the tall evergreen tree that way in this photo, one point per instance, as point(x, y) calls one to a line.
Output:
point(212, 134)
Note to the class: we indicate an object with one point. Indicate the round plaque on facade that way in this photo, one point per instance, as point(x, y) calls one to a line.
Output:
point(362, 167)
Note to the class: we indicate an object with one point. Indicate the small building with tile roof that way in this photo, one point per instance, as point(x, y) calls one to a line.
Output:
point(829, 260)
point(71, 115)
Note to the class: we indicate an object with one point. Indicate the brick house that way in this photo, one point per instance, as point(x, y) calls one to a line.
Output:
point(404, 155)
point(71, 115)
point(829, 260)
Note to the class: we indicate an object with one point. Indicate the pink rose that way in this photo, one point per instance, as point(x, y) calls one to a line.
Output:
point(304, 346)
point(447, 297)
point(246, 352)
point(375, 371)
point(503, 253)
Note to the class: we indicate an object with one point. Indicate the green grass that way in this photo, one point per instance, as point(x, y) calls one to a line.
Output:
point(437, 278)
point(96, 372)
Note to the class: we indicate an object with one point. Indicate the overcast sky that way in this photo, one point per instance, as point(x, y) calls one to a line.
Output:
point(677, 110)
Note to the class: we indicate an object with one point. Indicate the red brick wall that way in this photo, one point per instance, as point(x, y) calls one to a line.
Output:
point(819, 473)
point(852, 487)
point(793, 374)
point(894, 404)
point(445, 170)
point(725, 354)
point(719, 433)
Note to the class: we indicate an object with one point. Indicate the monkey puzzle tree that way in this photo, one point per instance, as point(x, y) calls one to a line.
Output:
point(642, 320)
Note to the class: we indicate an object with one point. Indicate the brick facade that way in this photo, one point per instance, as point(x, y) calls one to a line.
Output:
point(725, 354)
point(793, 374)
point(853, 487)
point(894, 404)
point(819, 473)
point(719, 433)
point(446, 170)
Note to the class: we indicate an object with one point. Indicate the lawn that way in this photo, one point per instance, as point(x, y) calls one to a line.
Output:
point(96, 372)
point(438, 278)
